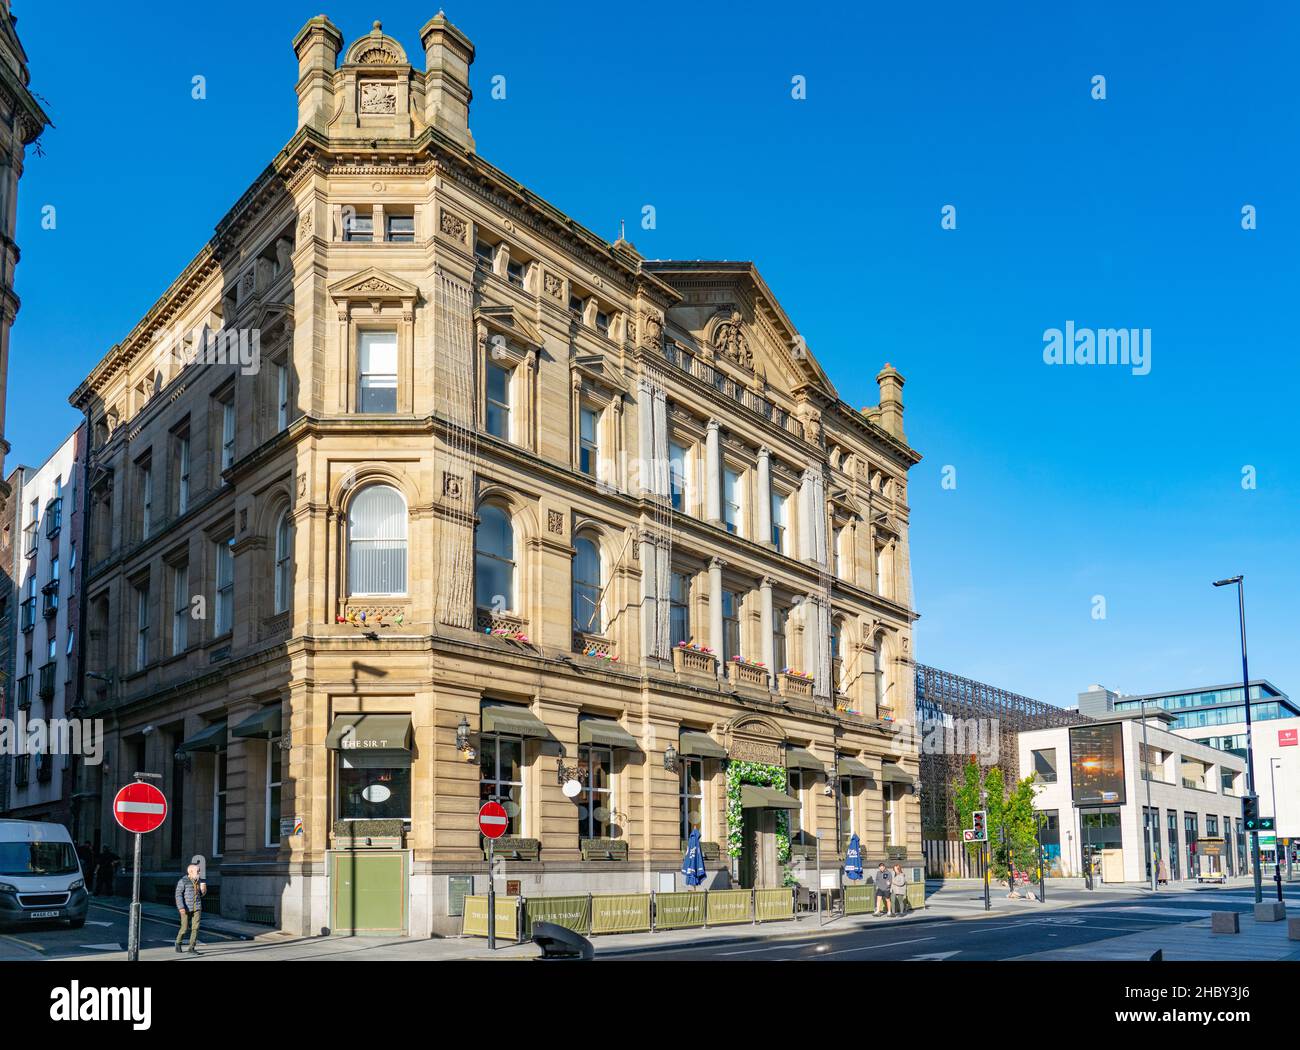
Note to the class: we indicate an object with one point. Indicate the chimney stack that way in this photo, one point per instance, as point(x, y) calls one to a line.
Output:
point(448, 55)
point(891, 401)
point(317, 46)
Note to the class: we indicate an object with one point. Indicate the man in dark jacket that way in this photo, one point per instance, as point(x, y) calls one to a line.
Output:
point(189, 902)
point(884, 882)
point(105, 864)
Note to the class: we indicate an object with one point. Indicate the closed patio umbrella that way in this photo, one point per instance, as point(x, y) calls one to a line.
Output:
point(853, 859)
point(693, 862)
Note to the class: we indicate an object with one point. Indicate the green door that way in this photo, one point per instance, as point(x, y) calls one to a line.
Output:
point(369, 893)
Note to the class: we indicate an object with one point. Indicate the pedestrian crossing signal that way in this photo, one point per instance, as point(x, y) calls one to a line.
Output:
point(979, 826)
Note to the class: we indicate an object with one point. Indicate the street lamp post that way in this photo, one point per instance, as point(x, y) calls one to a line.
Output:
point(1273, 763)
point(1150, 816)
point(1250, 748)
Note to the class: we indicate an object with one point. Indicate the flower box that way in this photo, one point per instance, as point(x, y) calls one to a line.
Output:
point(603, 849)
point(695, 660)
point(596, 646)
point(514, 847)
point(795, 684)
point(502, 625)
point(743, 672)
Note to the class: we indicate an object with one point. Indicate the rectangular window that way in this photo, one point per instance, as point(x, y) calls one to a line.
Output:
point(888, 800)
point(400, 229)
point(691, 795)
point(844, 812)
point(501, 777)
point(679, 604)
point(589, 441)
point(358, 227)
point(1045, 764)
point(602, 322)
point(837, 551)
point(515, 273)
point(224, 619)
point(141, 626)
point(575, 305)
point(779, 520)
point(677, 475)
point(730, 625)
point(274, 781)
point(182, 473)
point(780, 617)
point(794, 787)
point(374, 785)
point(377, 364)
point(146, 497)
point(596, 803)
point(219, 781)
point(281, 396)
point(486, 252)
point(731, 501)
point(498, 401)
point(228, 432)
point(180, 609)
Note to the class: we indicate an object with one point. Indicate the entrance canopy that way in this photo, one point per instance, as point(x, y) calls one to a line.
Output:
point(370, 732)
point(700, 745)
point(852, 767)
point(754, 797)
point(798, 758)
point(265, 722)
point(607, 733)
point(892, 773)
point(511, 718)
point(212, 738)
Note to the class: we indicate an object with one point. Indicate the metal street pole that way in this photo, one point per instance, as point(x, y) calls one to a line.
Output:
point(1150, 816)
point(133, 933)
point(1042, 874)
point(1250, 746)
point(492, 899)
point(819, 880)
point(1277, 839)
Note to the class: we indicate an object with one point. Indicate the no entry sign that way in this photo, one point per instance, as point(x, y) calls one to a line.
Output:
point(140, 807)
point(492, 820)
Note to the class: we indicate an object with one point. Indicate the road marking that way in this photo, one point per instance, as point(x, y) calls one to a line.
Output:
point(114, 947)
point(96, 922)
point(940, 956)
point(772, 948)
point(872, 947)
point(25, 944)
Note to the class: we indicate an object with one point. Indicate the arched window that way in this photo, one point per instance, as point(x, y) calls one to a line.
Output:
point(283, 562)
point(586, 587)
point(377, 542)
point(837, 654)
point(878, 670)
point(494, 559)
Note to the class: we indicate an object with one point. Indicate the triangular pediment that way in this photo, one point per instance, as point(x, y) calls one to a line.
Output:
point(373, 283)
point(598, 370)
point(509, 322)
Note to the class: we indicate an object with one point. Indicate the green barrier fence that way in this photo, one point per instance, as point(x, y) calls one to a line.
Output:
point(476, 913)
point(620, 913)
point(773, 904)
point(679, 911)
point(858, 900)
point(729, 906)
point(573, 913)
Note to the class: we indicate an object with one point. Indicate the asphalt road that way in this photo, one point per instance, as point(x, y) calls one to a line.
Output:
point(105, 931)
point(863, 938)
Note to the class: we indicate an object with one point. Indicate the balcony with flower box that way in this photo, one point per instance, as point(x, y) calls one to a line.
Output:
point(502, 625)
point(596, 646)
point(748, 672)
point(689, 658)
point(795, 685)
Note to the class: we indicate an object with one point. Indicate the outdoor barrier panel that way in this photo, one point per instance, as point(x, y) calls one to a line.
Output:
point(727, 906)
point(476, 913)
point(620, 913)
point(858, 900)
point(916, 894)
point(774, 904)
point(573, 913)
point(679, 911)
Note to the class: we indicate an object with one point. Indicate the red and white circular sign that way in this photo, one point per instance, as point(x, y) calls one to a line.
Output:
point(492, 820)
point(140, 807)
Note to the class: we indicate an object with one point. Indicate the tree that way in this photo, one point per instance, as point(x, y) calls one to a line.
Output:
point(1011, 821)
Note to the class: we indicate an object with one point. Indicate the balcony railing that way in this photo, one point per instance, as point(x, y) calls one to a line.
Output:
point(50, 603)
point(27, 614)
point(45, 687)
point(737, 392)
point(21, 766)
point(24, 697)
point(590, 644)
point(54, 517)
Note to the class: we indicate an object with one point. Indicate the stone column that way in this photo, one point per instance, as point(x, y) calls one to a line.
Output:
point(807, 519)
point(810, 629)
point(764, 497)
point(649, 594)
point(713, 472)
point(765, 617)
point(715, 606)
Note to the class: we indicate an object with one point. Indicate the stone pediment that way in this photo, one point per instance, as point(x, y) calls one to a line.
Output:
point(374, 285)
point(597, 369)
point(510, 323)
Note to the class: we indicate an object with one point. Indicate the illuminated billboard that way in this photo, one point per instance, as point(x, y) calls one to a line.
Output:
point(1097, 765)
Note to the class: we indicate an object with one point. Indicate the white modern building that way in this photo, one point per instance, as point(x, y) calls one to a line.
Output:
point(1093, 784)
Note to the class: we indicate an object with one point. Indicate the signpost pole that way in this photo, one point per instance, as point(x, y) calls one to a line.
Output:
point(984, 856)
point(492, 898)
point(819, 880)
point(133, 933)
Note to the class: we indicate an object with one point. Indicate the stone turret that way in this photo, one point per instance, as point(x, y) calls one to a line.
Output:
point(891, 401)
point(448, 55)
point(317, 46)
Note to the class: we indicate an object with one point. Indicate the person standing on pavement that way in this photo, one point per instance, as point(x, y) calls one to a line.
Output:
point(883, 880)
point(189, 902)
point(898, 890)
point(86, 857)
point(105, 864)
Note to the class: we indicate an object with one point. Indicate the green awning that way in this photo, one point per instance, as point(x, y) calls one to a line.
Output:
point(852, 767)
point(798, 758)
point(700, 745)
point(370, 733)
point(511, 718)
point(211, 738)
point(893, 773)
point(606, 732)
point(265, 722)
point(754, 797)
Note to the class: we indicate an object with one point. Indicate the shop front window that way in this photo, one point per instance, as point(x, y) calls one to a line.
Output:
point(374, 785)
point(596, 803)
point(501, 777)
point(691, 792)
point(844, 812)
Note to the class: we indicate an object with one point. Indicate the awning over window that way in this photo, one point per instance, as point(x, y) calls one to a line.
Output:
point(893, 773)
point(754, 797)
point(265, 722)
point(370, 733)
point(212, 738)
point(798, 758)
point(700, 745)
point(852, 767)
point(606, 732)
point(510, 718)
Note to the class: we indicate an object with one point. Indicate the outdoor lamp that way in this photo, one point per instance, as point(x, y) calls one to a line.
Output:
point(462, 734)
point(670, 758)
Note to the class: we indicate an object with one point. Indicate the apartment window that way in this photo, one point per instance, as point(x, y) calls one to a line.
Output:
point(498, 401)
point(878, 672)
point(180, 608)
point(731, 500)
point(283, 562)
point(357, 227)
point(141, 625)
point(486, 252)
point(780, 520)
point(146, 497)
point(228, 432)
point(219, 782)
point(602, 322)
point(515, 273)
point(52, 650)
point(837, 550)
point(281, 396)
point(400, 229)
point(588, 440)
point(596, 803)
point(575, 305)
point(182, 472)
point(1045, 765)
point(691, 795)
point(494, 559)
point(377, 362)
point(501, 777)
point(377, 542)
point(274, 782)
point(33, 520)
point(587, 586)
point(679, 608)
point(780, 619)
point(889, 796)
point(225, 617)
point(677, 475)
point(730, 625)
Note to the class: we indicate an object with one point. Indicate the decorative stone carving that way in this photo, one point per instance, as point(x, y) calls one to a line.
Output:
point(451, 485)
point(305, 225)
point(729, 340)
point(453, 226)
point(374, 284)
point(651, 330)
point(246, 285)
point(377, 56)
point(553, 286)
point(378, 98)
point(555, 522)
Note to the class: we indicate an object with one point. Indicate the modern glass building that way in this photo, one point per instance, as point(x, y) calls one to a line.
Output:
point(1215, 705)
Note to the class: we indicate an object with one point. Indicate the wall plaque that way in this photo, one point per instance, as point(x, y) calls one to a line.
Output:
point(768, 752)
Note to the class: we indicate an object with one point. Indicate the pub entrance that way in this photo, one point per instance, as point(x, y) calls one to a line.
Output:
point(760, 865)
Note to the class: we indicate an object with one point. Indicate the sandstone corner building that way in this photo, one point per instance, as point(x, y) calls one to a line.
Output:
point(503, 507)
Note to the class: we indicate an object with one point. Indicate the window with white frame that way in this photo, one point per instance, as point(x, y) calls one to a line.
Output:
point(780, 622)
point(837, 551)
point(501, 776)
point(220, 769)
point(283, 561)
point(141, 625)
point(596, 802)
point(358, 226)
point(377, 542)
point(274, 783)
point(690, 795)
point(587, 586)
point(225, 611)
point(844, 817)
point(677, 459)
point(731, 497)
point(730, 625)
point(182, 472)
point(145, 467)
point(228, 431)
point(679, 608)
point(497, 412)
point(589, 440)
point(377, 372)
point(889, 795)
point(780, 519)
point(837, 654)
point(494, 559)
point(878, 672)
point(180, 608)
point(281, 396)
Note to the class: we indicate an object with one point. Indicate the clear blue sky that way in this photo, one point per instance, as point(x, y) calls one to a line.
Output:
point(1071, 481)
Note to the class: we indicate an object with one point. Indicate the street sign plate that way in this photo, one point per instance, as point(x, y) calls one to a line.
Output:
point(140, 807)
point(492, 820)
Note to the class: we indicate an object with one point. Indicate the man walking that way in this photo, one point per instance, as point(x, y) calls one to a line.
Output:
point(898, 890)
point(189, 902)
point(883, 881)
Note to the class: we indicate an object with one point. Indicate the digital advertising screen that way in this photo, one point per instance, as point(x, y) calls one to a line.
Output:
point(1097, 765)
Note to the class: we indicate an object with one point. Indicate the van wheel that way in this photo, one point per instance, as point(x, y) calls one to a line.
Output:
point(76, 924)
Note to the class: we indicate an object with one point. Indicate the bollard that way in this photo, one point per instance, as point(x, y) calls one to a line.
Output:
point(1225, 922)
point(1293, 929)
point(1270, 911)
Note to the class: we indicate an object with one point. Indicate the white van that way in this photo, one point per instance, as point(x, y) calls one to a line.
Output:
point(40, 876)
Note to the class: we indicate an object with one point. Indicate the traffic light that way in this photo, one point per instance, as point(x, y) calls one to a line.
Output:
point(980, 825)
point(1250, 818)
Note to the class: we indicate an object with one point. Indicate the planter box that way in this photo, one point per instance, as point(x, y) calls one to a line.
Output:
point(794, 686)
point(592, 644)
point(692, 661)
point(604, 849)
point(742, 672)
point(512, 847)
point(1225, 922)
